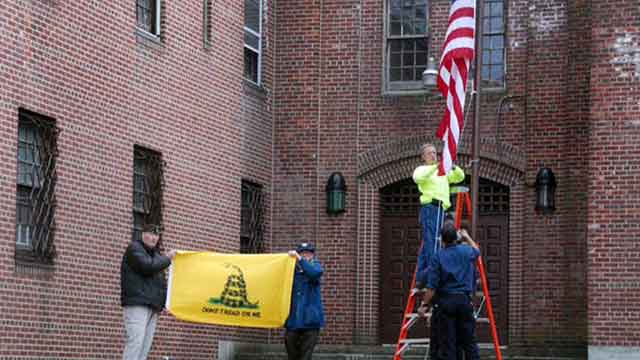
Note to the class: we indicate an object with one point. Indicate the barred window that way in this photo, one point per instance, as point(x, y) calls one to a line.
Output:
point(148, 16)
point(206, 23)
point(493, 35)
point(35, 187)
point(253, 40)
point(406, 44)
point(148, 185)
point(251, 219)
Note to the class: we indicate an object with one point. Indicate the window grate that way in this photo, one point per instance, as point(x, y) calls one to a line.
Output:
point(148, 185)
point(147, 15)
point(36, 181)
point(251, 219)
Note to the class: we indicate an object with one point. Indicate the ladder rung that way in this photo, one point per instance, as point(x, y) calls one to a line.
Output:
point(458, 189)
point(409, 323)
point(415, 316)
point(415, 341)
point(402, 349)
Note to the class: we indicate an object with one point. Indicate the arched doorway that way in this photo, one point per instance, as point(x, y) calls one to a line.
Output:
point(400, 239)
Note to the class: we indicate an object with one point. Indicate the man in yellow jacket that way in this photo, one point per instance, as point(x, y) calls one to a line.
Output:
point(434, 200)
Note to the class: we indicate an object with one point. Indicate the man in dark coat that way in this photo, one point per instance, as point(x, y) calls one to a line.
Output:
point(306, 316)
point(143, 290)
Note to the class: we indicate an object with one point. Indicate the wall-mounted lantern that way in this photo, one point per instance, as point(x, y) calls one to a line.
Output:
point(335, 189)
point(545, 191)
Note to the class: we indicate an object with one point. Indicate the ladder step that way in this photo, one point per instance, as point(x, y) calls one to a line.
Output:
point(415, 341)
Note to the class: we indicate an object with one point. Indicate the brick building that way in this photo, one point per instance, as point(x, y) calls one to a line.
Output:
point(234, 114)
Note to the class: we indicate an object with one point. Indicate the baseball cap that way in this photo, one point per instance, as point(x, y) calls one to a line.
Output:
point(305, 247)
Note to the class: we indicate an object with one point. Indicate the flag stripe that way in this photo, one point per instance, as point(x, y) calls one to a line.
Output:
point(457, 52)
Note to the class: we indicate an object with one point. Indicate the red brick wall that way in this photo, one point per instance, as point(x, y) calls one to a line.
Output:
point(614, 145)
point(109, 89)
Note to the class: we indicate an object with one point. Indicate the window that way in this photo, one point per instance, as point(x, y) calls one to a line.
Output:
point(406, 44)
point(252, 40)
point(35, 187)
point(148, 16)
point(206, 23)
point(493, 35)
point(251, 226)
point(147, 189)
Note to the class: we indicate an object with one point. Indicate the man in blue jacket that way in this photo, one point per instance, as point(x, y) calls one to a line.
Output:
point(306, 316)
point(450, 280)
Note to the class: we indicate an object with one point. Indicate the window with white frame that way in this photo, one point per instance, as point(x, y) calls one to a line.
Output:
point(148, 16)
point(493, 34)
point(406, 44)
point(252, 40)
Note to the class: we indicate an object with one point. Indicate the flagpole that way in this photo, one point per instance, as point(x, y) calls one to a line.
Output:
point(475, 149)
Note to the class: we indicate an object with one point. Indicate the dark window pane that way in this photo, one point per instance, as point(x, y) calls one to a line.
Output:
point(395, 60)
point(251, 65)
point(420, 27)
point(421, 13)
point(419, 71)
point(252, 14)
point(421, 58)
point(396, 45)
point(421, 45)
point(394, 74)
point(252, 40)
point(407, 74)
point(407, 45)
point(396, 28)
point(407, 59)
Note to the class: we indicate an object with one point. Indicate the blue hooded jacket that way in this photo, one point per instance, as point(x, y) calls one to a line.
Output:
point(306, 301)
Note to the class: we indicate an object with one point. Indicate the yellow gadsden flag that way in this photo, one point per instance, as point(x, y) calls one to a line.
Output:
point(231, 289)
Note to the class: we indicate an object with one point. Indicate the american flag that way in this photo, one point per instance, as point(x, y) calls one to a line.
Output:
point(457, 53)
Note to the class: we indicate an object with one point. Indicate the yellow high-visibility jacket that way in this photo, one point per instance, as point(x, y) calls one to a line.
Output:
point(435, 187)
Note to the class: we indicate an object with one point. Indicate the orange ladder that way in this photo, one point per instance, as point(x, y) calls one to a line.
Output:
point(411, 317)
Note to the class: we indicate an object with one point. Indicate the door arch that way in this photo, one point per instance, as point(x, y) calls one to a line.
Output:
point(400, 238)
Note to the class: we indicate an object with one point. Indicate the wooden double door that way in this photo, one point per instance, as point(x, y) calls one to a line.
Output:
point(400, 241)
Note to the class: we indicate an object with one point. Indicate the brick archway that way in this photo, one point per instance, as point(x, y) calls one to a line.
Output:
point(395, 161)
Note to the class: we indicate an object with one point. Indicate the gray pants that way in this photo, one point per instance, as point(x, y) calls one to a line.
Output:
point(139, 325)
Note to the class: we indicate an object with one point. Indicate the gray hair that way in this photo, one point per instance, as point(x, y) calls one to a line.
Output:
point(426, 146)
